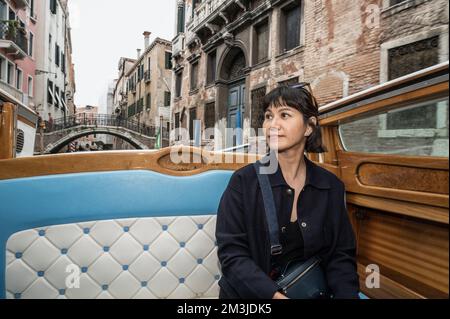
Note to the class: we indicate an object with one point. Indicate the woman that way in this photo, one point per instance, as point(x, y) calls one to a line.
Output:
point(310, 204)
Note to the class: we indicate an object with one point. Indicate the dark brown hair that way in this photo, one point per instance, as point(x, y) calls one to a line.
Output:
point(304, 101)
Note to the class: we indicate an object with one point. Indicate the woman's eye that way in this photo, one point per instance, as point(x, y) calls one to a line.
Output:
point(285, 115)
point(268, 116)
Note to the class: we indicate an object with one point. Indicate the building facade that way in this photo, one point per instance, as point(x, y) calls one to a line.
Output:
point(51, 60)
point(143, 93)
point(227, 54)
point(70, 86)
point(120, 96)
point(18, 25)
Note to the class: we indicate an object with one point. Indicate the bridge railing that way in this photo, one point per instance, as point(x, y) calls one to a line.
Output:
point(103, 120)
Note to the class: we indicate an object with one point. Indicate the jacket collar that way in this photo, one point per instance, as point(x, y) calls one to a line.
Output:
point(314, 176)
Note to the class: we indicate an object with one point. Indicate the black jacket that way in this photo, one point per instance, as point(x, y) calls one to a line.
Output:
point(243, 240)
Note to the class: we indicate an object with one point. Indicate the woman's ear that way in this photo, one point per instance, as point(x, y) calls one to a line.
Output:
point(312, 124)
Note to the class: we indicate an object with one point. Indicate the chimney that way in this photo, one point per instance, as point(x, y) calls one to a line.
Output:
point(138, 53)
point(146, 39)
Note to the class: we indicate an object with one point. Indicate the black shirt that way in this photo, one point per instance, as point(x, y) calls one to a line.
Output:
point(291, 240)
point(243, 241)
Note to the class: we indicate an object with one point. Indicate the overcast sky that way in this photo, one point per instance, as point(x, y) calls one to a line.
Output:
point(105, 30)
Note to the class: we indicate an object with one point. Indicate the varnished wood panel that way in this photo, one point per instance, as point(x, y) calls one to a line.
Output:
point(350, 162)
point(7, 131)
point(411, 252)
point(425, 212)
point(389, 289)
point(403, 177)
point(123, 160)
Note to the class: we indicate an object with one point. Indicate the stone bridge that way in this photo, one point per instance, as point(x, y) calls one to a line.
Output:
point(62, 132)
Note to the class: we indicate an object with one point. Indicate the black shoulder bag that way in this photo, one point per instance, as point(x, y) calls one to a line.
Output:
point(299, 279)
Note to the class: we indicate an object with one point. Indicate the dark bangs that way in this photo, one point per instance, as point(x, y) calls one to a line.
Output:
point(303, 101)
point(298, 98)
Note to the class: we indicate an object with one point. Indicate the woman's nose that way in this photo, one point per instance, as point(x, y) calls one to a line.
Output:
point(275, 124)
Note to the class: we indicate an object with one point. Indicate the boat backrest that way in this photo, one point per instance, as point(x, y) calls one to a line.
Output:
point(93, 230)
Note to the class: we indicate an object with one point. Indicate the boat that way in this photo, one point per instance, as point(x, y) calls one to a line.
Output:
point(141, 224)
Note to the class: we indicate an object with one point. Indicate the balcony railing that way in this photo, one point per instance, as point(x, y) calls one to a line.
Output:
point(147, 76)
point(10, 30)
point(103, 120)
point(205, 9)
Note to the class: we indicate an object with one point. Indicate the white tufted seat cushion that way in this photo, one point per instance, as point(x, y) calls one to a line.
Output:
point(166, 257)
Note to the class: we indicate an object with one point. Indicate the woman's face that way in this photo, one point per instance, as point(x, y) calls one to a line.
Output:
point(285, 127)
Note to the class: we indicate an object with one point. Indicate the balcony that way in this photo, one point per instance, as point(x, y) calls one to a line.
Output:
point(11, 90)
point(178, 44)
point(205, 10)
point(13, 39)
point(20, 4)
point(147, 76)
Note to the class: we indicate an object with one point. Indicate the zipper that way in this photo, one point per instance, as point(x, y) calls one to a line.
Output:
point(300, 276)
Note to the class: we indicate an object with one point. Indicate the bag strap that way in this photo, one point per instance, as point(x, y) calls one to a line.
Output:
point(271, 213)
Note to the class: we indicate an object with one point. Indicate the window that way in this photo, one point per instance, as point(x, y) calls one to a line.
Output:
point(261, 46)
point(177, 126)
point(12, 14)
point(57, 55)
point(53, 6)
point(394, 2)
point(404, 60)
point(139, 74)
point(3, 68)
point(212, 65)
point(49, 92)
point(148, 104)
point(167, 98)
point(192, 118)
point(63, 63)
point(10, 74)
point(290, 27)
point(19, 75)
point(194, 75)
point(168, 62)
point(32, 8)
point(288, 82)
point(413, 57)
point(50, 47)
point(3, 10)
point(180, 18)
point(210, 117)
point(257, 96)
point(132, 110)
point(30, 44)
point(178, 83)
point(63, 99)
point(414, 136)
point(30, 86)
point(140, 105)
point(177, 120)
point(56, 95)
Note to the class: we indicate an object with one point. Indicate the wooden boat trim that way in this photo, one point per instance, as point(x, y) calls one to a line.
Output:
point(123, 160)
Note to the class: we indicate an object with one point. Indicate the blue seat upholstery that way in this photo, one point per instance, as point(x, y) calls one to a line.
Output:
point(40, 202)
